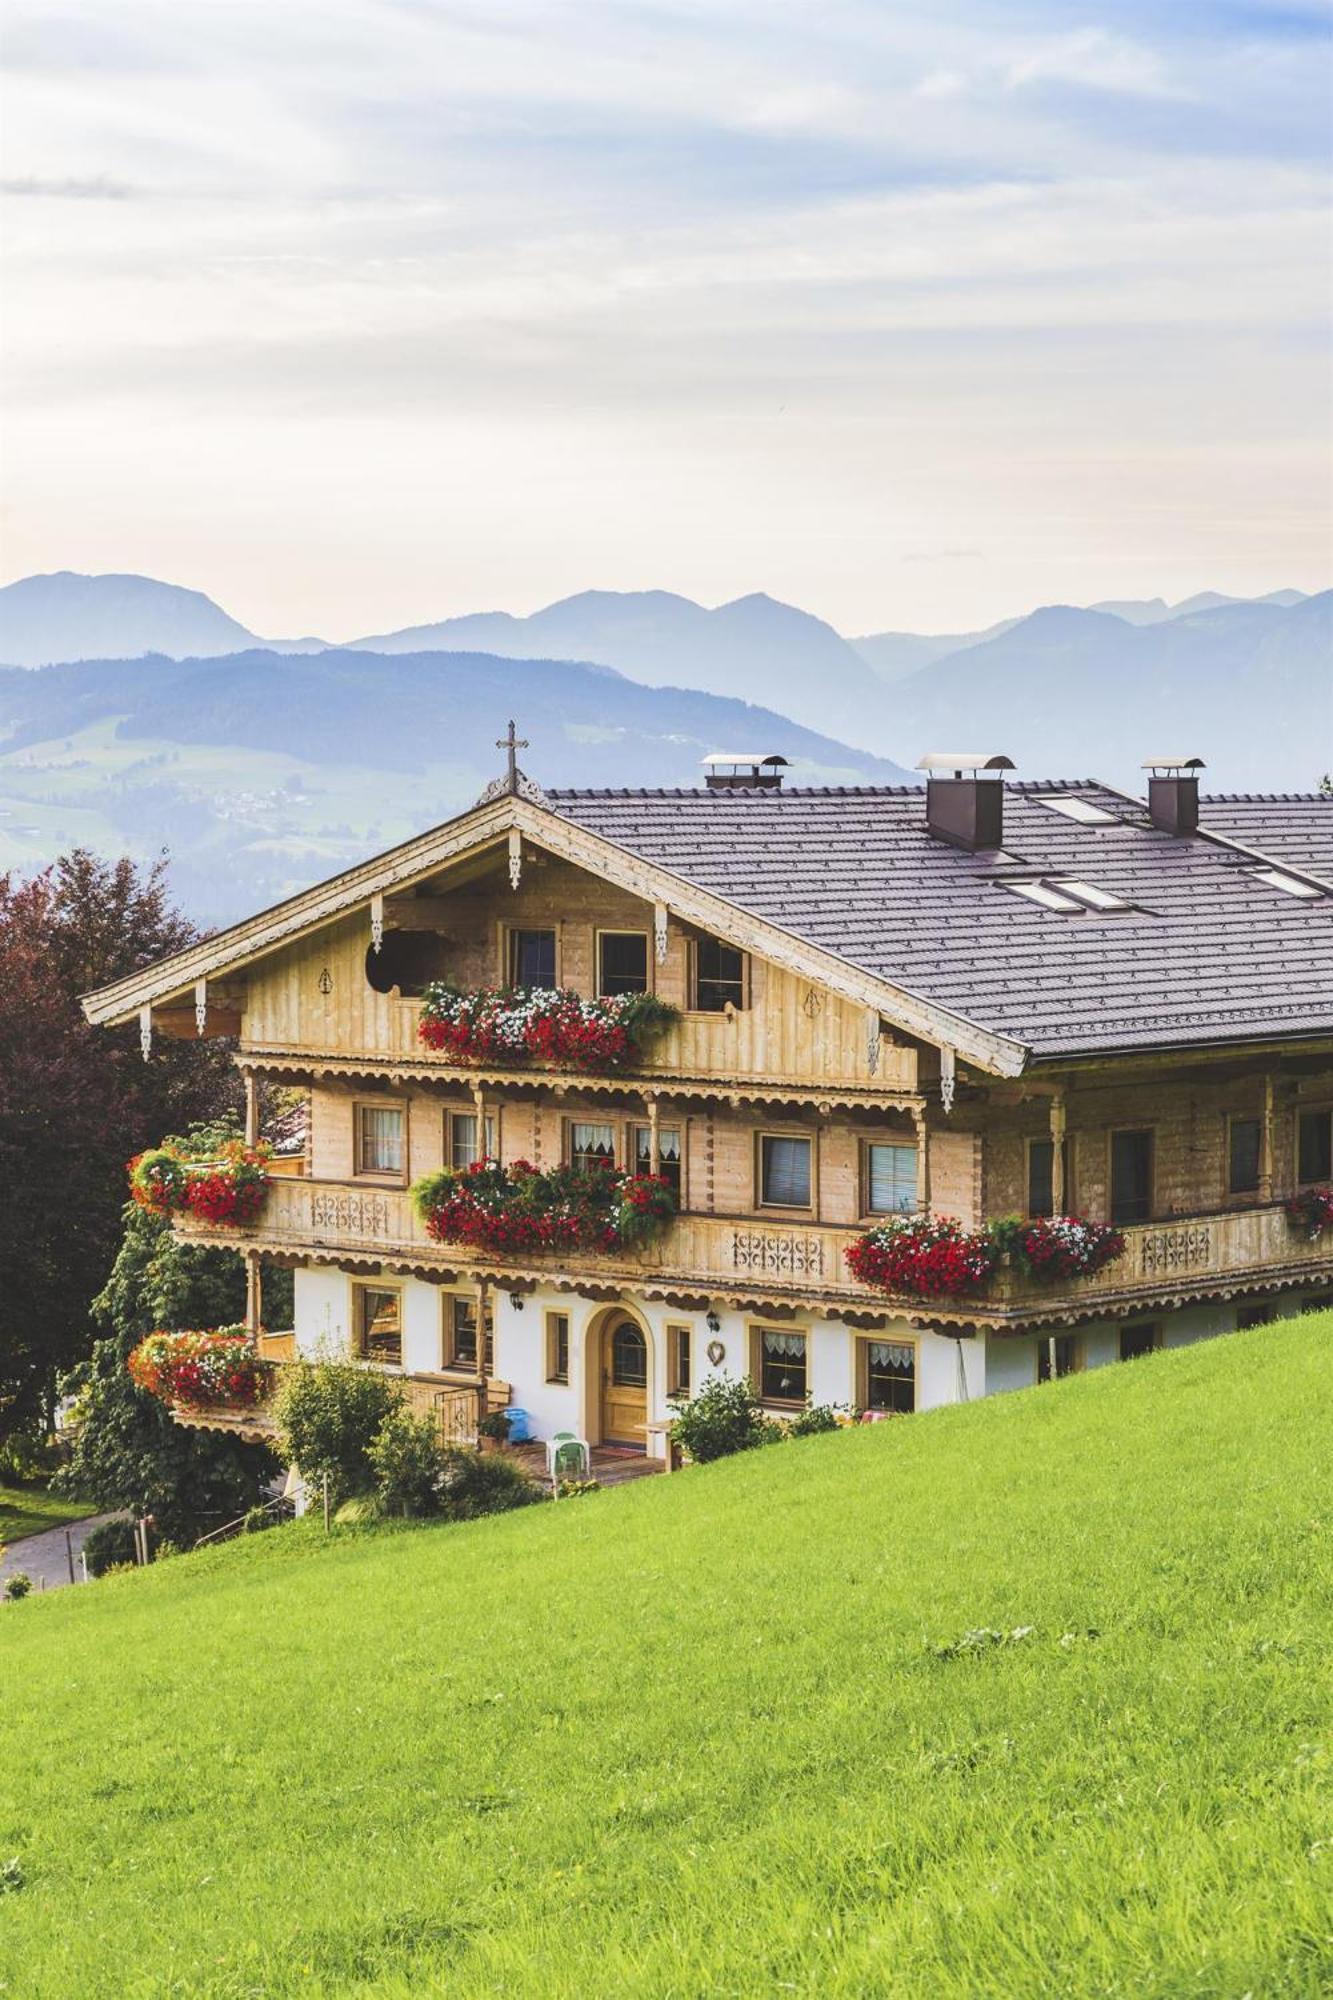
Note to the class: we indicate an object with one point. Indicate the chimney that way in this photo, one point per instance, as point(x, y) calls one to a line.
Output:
point(966, 809)
point(1173, 792)
point(742, 771)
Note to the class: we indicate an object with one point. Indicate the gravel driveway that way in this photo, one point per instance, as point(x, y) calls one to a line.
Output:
point(43, 1557)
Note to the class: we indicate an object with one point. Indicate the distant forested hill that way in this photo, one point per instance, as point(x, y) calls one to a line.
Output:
point(262, 772)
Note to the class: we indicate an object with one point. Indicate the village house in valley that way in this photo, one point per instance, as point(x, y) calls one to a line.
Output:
point(977, 999)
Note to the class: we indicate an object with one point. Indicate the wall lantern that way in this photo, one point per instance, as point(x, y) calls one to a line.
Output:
point(713, 1323)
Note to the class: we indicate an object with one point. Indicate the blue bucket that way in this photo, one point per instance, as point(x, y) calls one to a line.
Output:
point(520, 1426)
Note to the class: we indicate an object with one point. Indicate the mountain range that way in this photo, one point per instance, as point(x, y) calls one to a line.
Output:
point(267, 763)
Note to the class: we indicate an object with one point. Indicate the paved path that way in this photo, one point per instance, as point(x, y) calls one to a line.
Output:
point(43, 1557)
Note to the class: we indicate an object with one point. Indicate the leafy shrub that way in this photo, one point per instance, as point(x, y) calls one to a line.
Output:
point(28, 1460)
point(724, 1417)
point(360, 1510)
point(576, 1489)
point(109, 1546)
point(407, 1460)
point(328, 1414)
point(820, 1417)
point(17, 1585)
point(256, 1520)
point(477, 1484)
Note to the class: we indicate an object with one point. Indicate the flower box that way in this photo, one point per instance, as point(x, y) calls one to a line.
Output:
point(1059, 1246)
point(202, 1370)
point(1311, 1211)
point(935, 1257)
point(556, 1029)
point(227, 1186)
point(518, 1210)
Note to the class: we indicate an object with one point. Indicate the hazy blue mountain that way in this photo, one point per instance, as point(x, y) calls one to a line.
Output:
point(1155, 610)
point(262, 773)
point(70, 617)
point(1073, 693)
point(755, 649)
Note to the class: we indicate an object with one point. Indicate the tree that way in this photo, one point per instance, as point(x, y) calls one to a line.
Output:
point(128, 1450)
point(76, 1103)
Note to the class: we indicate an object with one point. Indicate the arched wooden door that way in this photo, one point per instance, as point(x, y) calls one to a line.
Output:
point(624, 1383)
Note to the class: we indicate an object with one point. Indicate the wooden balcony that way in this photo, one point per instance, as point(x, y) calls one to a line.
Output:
point(762, 1264)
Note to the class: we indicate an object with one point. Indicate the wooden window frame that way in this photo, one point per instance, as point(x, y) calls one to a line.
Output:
point(1032, 1139)
point(755, 1330)
point(1307, 1111)
point(861, 1382)
point(376, 1176)
point(692, 982)
point(1139, 1326)
point(1114, 1132)
point(489, 1129)
point(865, 1141)
point(504, 949)
point(623, 930)
point(553, 1371)
point(615, 1126)
point(631, 1154)
point(785, 1132)
point(359, 1287)
point(1079, 1362)
point(675, 1386)
point(1242, 1195)
point(449, 1362)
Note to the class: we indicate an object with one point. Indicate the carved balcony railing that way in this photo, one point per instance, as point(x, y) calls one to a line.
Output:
point(753, 1259)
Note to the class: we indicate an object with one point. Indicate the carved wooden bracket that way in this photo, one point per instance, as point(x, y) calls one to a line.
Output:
point(515, 857)
point(660, 931)
point(948, 1078)
point(377, 922)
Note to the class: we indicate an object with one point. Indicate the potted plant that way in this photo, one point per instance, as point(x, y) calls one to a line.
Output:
point(493, 1429)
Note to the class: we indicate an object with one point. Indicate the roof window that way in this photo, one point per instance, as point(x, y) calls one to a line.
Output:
point(1277, 879)
point(1041, 892)
point(1083, 810)
point(1089, 894)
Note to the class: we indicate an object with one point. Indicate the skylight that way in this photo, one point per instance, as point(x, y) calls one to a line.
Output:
point(1089, 894)
point(1083, 810)
point(1276, 879)
point(1040, 892)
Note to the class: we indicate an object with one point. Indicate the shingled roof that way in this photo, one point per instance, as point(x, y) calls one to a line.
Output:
point(1206, 954)
point(1295, 828)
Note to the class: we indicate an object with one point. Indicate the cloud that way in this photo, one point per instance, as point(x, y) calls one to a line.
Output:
point(1091, 59)
point(99, 188)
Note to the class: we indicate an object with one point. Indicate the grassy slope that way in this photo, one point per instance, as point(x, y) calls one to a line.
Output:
point(26, 1510)
point(687, 1738)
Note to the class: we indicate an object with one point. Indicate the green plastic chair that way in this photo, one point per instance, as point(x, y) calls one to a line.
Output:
point(566, 1446)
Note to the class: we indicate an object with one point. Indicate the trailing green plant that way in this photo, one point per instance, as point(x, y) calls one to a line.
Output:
point(110, 1546)
point(725, 1417)
point(328, 1414)
point(408, 1464)
point(549, 1026)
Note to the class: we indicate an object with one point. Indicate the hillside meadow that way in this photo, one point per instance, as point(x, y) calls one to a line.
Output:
point(725, 1733)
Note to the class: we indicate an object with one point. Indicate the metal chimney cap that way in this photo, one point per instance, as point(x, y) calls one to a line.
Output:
point(741, 757)
point(963, 760)
point(1172, 764)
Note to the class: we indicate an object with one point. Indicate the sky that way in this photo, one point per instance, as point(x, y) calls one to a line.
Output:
point(361, 313)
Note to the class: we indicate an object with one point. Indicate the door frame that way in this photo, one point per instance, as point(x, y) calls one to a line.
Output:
point(597, 1327)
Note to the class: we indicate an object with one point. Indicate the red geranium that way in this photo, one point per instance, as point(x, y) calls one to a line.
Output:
point(930, 1256)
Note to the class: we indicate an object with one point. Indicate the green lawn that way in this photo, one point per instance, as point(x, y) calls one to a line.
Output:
point(26, 1510)
point(692, 1737)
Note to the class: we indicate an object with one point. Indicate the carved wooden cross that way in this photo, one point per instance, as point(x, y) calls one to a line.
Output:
point(513, 744)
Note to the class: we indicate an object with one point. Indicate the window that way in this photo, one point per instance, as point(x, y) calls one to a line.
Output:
point(462, 1140)
point(1089, 893)
point(557, 1347)
point(622, 962)
point(377, 1317)
point(890, 1376)
point(1041, 1177)
point(781, 1366)
point(1255, 1316)
point(408, 960)
point(460, 1334)
point(1314, 1146)
point(591, 1145)
point(531, 958)
point(1037, 892)
point(678, 1361)
point(888, 1178)
point(1131, 1176)
point(668, 1153)
point(1243, 1155)
point(1082, 810)
point(719, 976)
point(1277, 878)
point(629, 1357)
point(784, 1172)
point(380, 1134)
point(1064, 1350)
point(1136, 1341)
